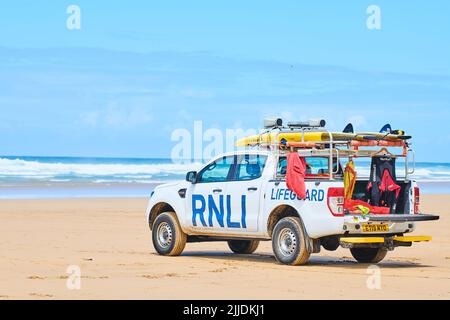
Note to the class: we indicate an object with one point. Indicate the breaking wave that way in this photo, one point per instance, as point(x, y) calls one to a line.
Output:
point(109, 170)
point(92, 170)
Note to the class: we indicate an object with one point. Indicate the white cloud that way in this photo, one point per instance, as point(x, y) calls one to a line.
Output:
point(90, 118)
point(197, 93)
point(117, 117)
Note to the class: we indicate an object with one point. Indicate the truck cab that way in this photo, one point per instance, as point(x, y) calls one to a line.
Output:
point(242, 198)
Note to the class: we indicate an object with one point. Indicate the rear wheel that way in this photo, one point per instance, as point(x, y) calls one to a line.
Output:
point(369, 255)
point(289, 242)
point(168, 238)
point(243, 246)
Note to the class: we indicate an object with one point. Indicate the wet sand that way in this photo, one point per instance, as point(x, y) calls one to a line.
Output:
point(110, 241)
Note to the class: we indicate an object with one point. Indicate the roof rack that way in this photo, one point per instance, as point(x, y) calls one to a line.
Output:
point(333, 149)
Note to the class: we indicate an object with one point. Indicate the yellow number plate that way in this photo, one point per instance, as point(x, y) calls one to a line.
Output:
point(375, 228)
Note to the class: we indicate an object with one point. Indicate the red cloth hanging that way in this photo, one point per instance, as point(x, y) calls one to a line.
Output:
point(295, 174)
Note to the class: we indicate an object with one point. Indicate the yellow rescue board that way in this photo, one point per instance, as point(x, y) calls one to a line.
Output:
point(267, 138)
point(383, 136)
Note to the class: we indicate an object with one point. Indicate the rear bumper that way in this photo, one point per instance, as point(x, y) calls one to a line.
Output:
point(402, 218)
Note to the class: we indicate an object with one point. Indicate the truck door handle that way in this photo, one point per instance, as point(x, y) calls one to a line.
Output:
point(217, 190)
point(252, 189)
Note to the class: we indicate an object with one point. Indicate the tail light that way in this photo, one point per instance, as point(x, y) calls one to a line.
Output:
point(336, 201)
point(416, 200)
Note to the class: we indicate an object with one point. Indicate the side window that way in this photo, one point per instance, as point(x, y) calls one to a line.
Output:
point(217, 171)
point(319, 166)
point(315, 166)
point(251, 167)
point(282, 167)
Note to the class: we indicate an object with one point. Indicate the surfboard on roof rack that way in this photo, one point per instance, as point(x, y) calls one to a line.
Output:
point(312, 131)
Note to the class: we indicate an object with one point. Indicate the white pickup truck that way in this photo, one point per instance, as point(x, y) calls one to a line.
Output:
point(242, 198)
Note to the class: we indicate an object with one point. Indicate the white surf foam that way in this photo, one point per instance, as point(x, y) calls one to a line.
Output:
point(18, 168)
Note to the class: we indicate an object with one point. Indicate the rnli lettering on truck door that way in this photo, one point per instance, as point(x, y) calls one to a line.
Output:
point(217, 213)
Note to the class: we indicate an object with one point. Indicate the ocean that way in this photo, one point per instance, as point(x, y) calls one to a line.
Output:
point(56, 177)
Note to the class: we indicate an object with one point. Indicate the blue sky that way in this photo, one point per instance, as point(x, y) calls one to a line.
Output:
point(139, 69)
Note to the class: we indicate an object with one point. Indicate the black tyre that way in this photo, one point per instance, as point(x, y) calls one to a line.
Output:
point(369, 255)
point(289, 242)
point(168, 238)
point(243, 246)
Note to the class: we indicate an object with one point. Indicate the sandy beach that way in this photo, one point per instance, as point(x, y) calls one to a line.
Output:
point(110, 241)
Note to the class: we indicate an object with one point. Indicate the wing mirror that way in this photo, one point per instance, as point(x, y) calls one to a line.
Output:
point(191, 176)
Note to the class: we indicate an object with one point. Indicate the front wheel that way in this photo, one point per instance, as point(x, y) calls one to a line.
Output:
point(243, 246)
point(369, 255)
point(168, 238)
point(289, 242)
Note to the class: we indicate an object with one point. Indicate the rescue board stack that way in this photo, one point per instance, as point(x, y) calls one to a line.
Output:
point(291, 134)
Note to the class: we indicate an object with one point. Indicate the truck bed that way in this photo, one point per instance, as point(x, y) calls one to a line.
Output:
point(403, 205)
